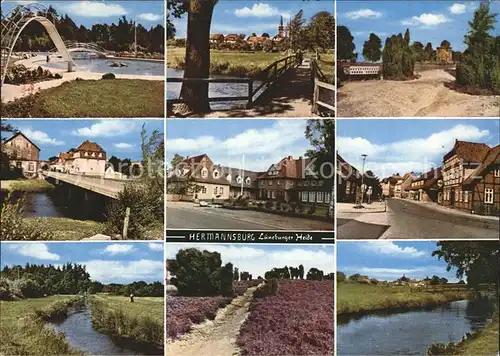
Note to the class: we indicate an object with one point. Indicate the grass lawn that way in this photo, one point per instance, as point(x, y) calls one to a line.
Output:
point(93, 98)
point(142, 306)
point(359, 298)
point(22, 333)
point(26, 185)
point(234, 63)
point(69, 229)
point(327, 66)
point(484, 342)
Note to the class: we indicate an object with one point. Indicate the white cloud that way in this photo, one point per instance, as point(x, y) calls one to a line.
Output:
point(155, 246)
point(257, 261)
point(94, 9)
point(124, 271)
point(391, 249)
point(150, 16)
point(123, 145)
point(106, 128)
point(363, 14)
point(41, 137)
point(260, 10)
point(460, 8)
point(117, 249)
point(426, 20)
point(417, 154)
point(35, 250)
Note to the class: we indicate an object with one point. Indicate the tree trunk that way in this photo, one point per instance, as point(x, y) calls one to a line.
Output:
point(198, 54)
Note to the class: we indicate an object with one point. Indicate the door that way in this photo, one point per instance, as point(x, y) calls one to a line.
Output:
point(452, 196)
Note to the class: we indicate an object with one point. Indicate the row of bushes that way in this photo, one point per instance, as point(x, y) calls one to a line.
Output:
point(19, 74)
point(226, 68)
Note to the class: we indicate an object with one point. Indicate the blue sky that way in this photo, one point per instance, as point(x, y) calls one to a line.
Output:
point(121, 138)
point(259, 258)
point(232, 16)
point(401, 146)
point(105, 262)
point(262, 142)
point(428, 21)
point(388, 260)
point(88, 13)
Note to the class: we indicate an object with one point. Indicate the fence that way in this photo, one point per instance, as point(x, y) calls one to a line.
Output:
point(321, 86)
point(269, 76)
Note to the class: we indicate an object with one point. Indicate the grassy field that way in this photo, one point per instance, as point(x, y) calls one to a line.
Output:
point(234, 63)
point(22, 330)
point(141, 321)
point(93, 98)
point(69, 229)
point(360, 298)
point(484, 342)
point(27, 185)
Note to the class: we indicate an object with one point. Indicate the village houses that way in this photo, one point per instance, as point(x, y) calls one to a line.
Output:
point(23, 154)
point(348, 181)
point(88, 159)
point(198, 178)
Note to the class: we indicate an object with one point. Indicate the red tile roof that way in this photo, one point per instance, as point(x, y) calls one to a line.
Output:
point(90, 146)
point(468, 151)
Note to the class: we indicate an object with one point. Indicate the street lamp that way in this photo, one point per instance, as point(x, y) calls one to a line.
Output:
point(362, 179)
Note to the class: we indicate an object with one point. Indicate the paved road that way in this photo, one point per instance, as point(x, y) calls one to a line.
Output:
point(182, 217)
point(406, 220)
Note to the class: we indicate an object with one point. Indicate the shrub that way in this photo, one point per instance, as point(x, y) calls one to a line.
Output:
point(108, 76)
point(341, 277)
point(269, 204)
point(495, 80)
point(269, 288)
point(146, 209)
point(226, 280)
point(5, 293)
point(26, 288)
point(15, 227)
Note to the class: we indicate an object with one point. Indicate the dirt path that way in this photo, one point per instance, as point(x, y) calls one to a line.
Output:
point(424, 97)
point(218, 336)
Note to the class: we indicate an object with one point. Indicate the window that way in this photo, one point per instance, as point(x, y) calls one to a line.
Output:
point(497, 172)
point(228, 178)
point(321, 182)
point(278, 182)
point(314, 183)
point(248, 180)
point(216, 174)
point(488, 195)
point(221, 190)
point(299, 183)
point(204, 172)
point(100, 154)
point(312, 197)
point(327, 197)
point(31, 167)
point(19, 165)
point(319, 197)
point(460, 195)
point(274, 194)
point(306, 183)
point(304, 196)
point(466, 197)
point(261, 182)
point(204, 190)
point(215, 190)
point(270, 182)
point(268, 194)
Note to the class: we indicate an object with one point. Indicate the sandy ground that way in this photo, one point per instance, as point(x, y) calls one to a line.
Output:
point(11, 92)
point(427, 96)
point(217, 337)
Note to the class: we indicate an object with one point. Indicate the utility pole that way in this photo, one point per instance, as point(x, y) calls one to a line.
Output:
point(135, 38)
point(242, 173)
point(360, 205)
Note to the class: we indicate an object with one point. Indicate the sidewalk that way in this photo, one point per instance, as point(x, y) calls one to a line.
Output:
point(375, 207)
point(446, 210)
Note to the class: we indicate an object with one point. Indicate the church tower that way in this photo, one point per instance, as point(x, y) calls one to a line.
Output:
point(281, 29)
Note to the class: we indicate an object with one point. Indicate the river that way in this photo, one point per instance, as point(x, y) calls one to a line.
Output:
point(411, 332)
point(215, 90)
point(81, 335)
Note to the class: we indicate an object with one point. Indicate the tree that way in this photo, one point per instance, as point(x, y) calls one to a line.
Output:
point(197, 60)
point(176, 160)
point(445, 44)
point(315, 274)
point(321, 135)
point(322, 31)
point(265, 34)
point(340, 277)
point(295, 28)
point(115, 162)
point(175, 9)
point(253, 34)
point(428, 51)
point(268, 45)
point(398, 60)
point(236, 274)
point(372, 48)
point(301, 271)
point(418, 51)
point(345, 44)
point(407, 36)
point(477, 260)
point(53, 158)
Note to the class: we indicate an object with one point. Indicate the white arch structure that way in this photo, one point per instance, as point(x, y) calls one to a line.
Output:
point(16, 21)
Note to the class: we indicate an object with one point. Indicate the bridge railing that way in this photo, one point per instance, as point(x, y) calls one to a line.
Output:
point(321, 90)
point(269, 77)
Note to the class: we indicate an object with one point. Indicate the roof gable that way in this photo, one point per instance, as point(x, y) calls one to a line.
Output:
point(21, 134)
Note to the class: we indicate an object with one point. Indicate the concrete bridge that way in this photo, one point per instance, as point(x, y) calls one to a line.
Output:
point(100, 185)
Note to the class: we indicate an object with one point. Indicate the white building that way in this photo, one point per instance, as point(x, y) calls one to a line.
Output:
point(88, 159)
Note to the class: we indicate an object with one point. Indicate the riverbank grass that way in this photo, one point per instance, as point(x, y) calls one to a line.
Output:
point(93, 98)
point(233, 63)
point(22, 330)
point(361, 298)
point(26, 185)
point(68, 229)
point(141, 321)
point(483, 342)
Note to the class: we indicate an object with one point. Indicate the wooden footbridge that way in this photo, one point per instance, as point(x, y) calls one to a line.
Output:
point(289, 87)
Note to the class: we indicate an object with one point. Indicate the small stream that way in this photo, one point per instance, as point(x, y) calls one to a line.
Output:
point(214, 90)
point(81, 335)
point(411, 332)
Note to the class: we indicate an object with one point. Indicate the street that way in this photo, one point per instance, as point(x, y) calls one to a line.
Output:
point(408, 220)
point(189, 216)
